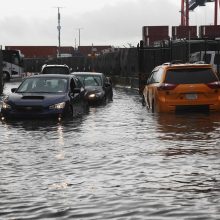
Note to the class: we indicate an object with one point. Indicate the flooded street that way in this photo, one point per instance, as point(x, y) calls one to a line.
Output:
point(119, 161)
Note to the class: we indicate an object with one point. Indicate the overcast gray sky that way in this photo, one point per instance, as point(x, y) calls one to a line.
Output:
point(102, 22)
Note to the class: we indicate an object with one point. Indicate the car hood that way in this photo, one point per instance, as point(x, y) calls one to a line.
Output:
point(42, 99)
point(94, 89)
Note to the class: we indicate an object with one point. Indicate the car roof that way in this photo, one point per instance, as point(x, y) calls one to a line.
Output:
point(167, 66)
point(55, 65)
point(51, 76)
point(87, 73)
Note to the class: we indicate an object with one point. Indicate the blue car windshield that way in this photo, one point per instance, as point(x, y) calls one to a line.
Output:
point(90, 80)
point(46, 85)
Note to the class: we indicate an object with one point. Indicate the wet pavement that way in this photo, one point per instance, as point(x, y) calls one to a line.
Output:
point(119, 161)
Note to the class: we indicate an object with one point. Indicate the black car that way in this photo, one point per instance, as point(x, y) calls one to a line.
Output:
point(97, 85)
point(46, 96)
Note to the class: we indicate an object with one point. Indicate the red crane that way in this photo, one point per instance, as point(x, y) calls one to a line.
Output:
point(187, 6)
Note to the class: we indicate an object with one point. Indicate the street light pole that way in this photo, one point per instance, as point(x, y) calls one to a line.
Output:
point(79, 29)
point(79, 36)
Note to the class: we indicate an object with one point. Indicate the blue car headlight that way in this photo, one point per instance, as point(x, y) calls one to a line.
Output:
point(5, 105)
point(92, 95)
point(58, 106)
point(95, 94)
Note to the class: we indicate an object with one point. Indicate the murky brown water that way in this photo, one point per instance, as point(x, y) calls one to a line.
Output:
point(117, 162)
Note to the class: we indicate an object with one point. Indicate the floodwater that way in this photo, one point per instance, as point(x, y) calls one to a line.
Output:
point(119, 161)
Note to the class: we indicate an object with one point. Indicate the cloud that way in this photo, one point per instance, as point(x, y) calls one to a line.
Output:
point(113, 22)
point(121, 23)
point(20, 31)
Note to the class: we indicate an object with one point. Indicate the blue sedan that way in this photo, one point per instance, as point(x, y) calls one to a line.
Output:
point(46, 96)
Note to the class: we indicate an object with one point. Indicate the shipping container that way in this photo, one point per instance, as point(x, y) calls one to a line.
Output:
point(41, 51)
point(151, 34)
point(209, 31)
point(184, 32)
point(156, 30)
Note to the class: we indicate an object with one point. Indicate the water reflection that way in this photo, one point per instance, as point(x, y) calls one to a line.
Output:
point(189, 134)
point(43, 124)
point(116, 162)
point(188, 126)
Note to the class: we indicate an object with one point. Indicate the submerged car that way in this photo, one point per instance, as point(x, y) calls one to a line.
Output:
point(179, 87)
point(98, 86)
point(45, 96)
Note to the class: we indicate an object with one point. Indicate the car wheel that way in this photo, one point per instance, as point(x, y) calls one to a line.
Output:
point(6, 76)
point(148, 101)
point(143, 101)
point(153, 106)
point(104, 100)
point(86, 106)
point(69, 112)
point(111, 96)
point(2, 84)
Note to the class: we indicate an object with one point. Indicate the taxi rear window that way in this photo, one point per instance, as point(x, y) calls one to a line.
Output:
point(190, 76)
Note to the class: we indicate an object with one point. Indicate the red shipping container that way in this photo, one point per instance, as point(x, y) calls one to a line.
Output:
point(180, 32)
point(41, 51)
point(209, 31)
point(152, 34)
point(156, 31)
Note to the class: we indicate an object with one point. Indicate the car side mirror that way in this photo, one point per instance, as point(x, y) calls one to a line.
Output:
point(13, 90)
point(148, 82)
point(76, 90)
point(107, 84)
point(109, 79)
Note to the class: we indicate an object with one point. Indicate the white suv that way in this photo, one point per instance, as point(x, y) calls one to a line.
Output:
point(55, 69)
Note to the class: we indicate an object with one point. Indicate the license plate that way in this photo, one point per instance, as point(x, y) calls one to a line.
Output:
point(28, 108)
point(191, 96)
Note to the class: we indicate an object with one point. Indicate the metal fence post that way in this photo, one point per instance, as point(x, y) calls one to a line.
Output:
point(140, 49)
point(1, 73)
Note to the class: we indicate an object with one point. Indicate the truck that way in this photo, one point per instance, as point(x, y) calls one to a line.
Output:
point(210, 57)
point(13, 64)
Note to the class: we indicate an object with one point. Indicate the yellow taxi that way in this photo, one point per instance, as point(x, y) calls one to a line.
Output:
point(179, 87)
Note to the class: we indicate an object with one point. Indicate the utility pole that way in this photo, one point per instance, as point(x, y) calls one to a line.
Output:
point(216, 13)
point(58, 28)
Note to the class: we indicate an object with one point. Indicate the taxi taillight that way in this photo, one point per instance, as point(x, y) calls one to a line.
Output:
point(214, 85)
point(167, 86)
